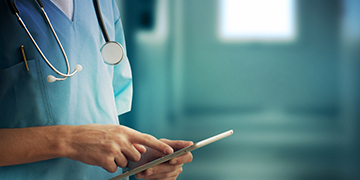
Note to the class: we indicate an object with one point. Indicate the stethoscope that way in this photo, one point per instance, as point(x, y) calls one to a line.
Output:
point(112, 52)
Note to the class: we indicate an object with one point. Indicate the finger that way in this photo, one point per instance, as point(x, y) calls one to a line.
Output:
point(162, 168)
point(140, 148)
point(164, 175)
point(110, 165)
point(176, 145)
point(111, 169)
point(186, 158)
point(171, 178)
point(131, 152)
point(150, 141)
point(121, 161)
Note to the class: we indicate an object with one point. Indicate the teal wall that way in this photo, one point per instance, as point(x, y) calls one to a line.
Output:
point(299, 75)
point(294, 106)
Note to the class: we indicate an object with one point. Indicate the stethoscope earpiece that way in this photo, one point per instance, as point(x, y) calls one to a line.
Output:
point(51, 78)
point(78, 68)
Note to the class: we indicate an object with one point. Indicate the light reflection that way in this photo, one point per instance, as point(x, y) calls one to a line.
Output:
point(257, 20)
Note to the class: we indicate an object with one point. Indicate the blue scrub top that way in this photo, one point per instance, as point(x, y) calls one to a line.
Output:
point(97, 94)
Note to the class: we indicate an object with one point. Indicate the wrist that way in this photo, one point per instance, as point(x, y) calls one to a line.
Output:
point(61, 147)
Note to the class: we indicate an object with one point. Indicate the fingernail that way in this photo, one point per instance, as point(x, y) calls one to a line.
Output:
point(139, 176)
point(173, 162)
point(149, 172)
point(168, 151)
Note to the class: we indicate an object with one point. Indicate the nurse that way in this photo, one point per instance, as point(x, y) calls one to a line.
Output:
point(69, 129)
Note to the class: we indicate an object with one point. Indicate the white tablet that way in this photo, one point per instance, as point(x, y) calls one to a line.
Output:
point(173, 155)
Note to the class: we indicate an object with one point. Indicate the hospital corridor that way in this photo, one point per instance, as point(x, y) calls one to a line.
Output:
point(283, 74)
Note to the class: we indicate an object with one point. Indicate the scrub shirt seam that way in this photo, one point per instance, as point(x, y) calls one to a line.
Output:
point(44, 95)
point(117, 20)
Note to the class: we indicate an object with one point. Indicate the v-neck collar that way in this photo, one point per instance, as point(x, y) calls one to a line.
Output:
point(61, 13)
point(66, 6)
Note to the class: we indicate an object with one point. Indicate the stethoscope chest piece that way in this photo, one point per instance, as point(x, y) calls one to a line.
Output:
point(112, 52)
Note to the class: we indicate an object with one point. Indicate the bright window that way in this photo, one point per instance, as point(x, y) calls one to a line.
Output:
point(257, 20)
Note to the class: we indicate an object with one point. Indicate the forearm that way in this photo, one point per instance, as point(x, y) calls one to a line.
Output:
point(26, 145)
point(107, 146)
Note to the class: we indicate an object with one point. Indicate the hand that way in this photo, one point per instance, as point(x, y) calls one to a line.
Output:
point(166, 171)
point(109, 146)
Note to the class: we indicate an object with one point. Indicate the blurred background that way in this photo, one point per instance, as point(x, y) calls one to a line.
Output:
point(283, 74)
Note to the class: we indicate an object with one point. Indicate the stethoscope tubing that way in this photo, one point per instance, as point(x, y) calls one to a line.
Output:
point(16, 12)
point(108, 59)
point(61, 47)
point(100, 19)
